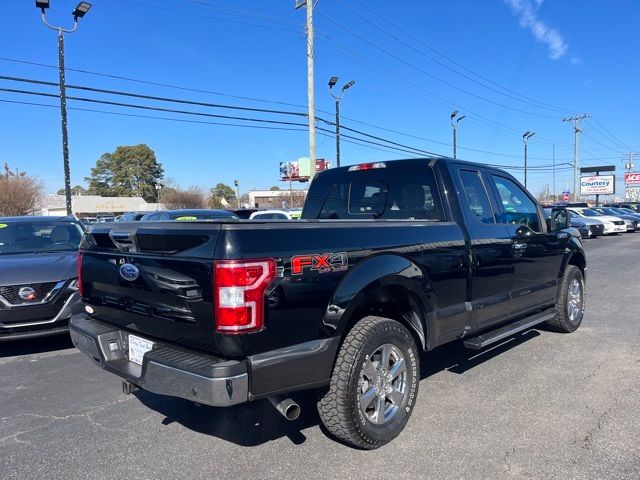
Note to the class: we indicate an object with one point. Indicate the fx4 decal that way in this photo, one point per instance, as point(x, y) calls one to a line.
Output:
point(321, 263)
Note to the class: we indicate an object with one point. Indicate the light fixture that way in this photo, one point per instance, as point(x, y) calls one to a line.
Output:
point(81, 10)
point(333, 81)
point(454, 114)
point(348, 85)
point(42, 4)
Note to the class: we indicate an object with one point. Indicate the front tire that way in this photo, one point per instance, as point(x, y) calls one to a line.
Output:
point(570, 306)
point(374, 384)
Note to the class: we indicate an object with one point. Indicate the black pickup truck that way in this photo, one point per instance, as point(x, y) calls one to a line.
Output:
point(389, 259)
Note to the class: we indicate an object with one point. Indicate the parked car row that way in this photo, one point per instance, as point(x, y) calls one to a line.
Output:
point(602, 220)
point(211, 214)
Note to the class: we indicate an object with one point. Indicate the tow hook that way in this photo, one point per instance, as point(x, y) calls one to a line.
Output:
point(128, 387)
point(286, 406)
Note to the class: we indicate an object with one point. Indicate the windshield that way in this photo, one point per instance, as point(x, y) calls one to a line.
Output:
point(628, 211)
point(38, 236)
point(591, 213)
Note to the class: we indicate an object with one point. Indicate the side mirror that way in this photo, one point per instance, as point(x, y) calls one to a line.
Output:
point(560, 219)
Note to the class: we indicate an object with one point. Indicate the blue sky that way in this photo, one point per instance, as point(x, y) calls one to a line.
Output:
point(572, 56)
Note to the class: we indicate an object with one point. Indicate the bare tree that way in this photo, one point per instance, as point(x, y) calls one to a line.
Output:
point(176, 198)
point(19, 194)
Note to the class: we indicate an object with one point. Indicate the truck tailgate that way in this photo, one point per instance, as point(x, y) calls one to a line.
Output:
point(154, 279)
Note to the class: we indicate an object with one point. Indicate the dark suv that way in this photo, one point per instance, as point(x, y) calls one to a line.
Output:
point(38, 275)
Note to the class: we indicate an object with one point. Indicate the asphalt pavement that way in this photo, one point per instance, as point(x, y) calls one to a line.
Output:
point(541, 405)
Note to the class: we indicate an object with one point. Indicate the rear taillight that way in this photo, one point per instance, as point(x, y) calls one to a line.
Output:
point(80, 274)
point(238, 290)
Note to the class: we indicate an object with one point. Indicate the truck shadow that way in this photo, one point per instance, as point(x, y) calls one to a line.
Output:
point(256, 423)
point(14, 348)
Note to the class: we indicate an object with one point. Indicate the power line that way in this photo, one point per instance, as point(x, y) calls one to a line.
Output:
point(243, 12)
point(122, 114)
point(250, 119)
point(144, 107)
point(424, 72)
point(606, 136)
point(183, 88)
point(153, 97)
point(324, 132)
point(157, 7)
point(488, 80)
point(442, 64)
point(620, 142)
point(148, 82)
point(442, 101)
point(402, 147)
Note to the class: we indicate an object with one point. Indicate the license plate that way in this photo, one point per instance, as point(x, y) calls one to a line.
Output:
point(137, 348)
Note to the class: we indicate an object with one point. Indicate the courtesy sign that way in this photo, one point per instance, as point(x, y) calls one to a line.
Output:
point(598, 185)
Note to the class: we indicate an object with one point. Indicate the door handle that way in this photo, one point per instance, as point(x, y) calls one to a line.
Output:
point(519, 246)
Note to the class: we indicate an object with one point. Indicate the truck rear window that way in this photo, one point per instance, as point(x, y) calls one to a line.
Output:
point(390, 194)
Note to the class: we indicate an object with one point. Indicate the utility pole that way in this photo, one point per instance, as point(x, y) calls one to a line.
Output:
point(628, 167)
point(338, 97)
point(80, 11)
point(310, 81)
point(575, 120)
point(454, 124)
point(525, 139)
point(289, 174)
point(554, 172)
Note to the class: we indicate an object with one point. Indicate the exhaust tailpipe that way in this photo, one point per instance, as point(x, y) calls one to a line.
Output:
point(286, 406)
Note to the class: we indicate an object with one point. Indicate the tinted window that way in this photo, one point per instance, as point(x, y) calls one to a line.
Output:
point(38, 236)
point(270, 216)
point(396, 194)
point(476, 195)
point(190, 216)
point(517, 207)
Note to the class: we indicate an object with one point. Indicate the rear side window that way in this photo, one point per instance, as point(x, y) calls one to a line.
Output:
point(517, 207)
point(405, 193)
point(270, 216)
point(476, 196)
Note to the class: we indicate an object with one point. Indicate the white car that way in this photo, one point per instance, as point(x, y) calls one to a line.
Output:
point(612, 224)
point(270, 215)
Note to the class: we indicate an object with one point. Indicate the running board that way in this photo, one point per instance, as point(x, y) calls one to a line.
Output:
point(481, 341)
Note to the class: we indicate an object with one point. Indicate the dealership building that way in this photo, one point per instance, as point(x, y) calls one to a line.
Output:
point(94, 205)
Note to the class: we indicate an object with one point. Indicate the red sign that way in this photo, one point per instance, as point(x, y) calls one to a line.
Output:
point(632, 178)
point(566, 197)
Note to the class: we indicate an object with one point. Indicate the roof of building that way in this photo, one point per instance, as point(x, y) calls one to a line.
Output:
point(94, 203)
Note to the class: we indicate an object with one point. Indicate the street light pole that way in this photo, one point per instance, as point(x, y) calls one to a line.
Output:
point(237, 184)
point(525, 138)
point(158, 190)
point(454, 124)
point(81, 9)
point(338, 97)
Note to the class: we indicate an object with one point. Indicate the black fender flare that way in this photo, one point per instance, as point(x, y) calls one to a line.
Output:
point(386, 272)
point(573, 254)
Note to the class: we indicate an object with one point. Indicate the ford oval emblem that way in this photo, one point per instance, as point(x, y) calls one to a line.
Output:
point(129, 272)
point(27, 293)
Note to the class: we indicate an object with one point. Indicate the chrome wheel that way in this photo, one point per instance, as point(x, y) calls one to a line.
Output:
point(574, 301)
point(383, 384)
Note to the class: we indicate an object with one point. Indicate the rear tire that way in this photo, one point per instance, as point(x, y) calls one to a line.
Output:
point(374, 384)
point(570, 306)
